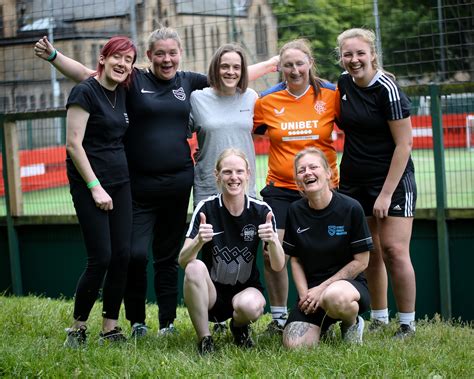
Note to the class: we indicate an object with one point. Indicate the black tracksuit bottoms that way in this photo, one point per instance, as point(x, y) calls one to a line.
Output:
point(107, 239)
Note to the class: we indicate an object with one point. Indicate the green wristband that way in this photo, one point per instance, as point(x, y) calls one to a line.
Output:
point(52, 56)
point(93, 183)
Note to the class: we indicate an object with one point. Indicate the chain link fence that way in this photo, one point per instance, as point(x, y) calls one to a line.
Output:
point(423, 42)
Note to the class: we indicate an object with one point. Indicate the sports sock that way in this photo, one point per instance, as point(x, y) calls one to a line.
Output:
point(407, 318)
point(380, 315)
point(279, 314)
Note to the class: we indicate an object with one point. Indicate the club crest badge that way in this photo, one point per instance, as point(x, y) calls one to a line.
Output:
point(249, 232)
point(179, 94)
point(320, 107)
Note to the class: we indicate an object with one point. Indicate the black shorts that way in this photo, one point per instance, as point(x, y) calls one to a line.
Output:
point(279, 199)
point(403, 199)
point(223, 309)
point(319, 318)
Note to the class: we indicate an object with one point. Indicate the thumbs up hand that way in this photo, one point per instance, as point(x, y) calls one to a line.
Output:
point(206, 231)
point(266, 231)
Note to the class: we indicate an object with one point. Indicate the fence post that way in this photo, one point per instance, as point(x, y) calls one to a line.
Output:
point(441, 204)
point(12, 166)
point(13, 247)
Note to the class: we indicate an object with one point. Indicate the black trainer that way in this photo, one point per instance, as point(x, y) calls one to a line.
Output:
point(404, 331)
point(219, 328)
point(274, 328)
point(206, 345)
point(76, 337)
point(376, 326)
point(241, 335)
point(115, 335)
point(139, 330)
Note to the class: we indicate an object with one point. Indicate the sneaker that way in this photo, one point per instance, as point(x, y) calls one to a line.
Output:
point(376, 326)
point(274, 328)
point(139, 330)
point(219, 328)
point(404, 331)
point(76, 337)
point(114, 335)
point(353, 334)
point(329, 334)
point(206, 345)
point(241, 335)
point(170, 329)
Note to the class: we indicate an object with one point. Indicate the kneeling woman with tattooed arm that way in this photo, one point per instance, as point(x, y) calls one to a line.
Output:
point(328, 239)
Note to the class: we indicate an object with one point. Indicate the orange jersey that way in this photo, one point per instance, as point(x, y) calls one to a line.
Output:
point(293, 124)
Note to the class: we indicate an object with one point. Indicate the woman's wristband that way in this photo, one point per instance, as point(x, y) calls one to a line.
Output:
point(52, 56)
point(93, 183)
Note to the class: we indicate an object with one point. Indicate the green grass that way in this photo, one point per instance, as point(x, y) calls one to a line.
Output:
point(459, 165)
point(32, 333)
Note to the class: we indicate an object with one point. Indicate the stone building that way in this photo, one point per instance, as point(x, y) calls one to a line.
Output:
point(80, 27)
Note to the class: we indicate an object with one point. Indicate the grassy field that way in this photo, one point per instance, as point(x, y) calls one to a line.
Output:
point(32, 334)
point(459, 165)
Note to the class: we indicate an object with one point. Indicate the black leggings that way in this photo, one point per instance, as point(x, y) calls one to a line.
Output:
point(161, 220)
point(107, 238)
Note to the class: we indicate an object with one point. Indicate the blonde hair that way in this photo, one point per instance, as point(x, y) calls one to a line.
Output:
point(366, 35)
point(231, 151)
point(227, 153)
point(304, 46)
point(311, 151)
point(163, 33)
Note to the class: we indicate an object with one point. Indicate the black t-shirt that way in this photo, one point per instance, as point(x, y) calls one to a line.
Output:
point(105, 129)
point(230, 256)
point(156, 144)
point(326, 240)
point(364, 116)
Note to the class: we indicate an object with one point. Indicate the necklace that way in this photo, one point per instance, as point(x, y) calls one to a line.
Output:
point(107, 97)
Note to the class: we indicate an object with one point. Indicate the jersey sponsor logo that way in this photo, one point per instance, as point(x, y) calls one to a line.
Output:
point(397, 208)
point(126, 117)
point(298, 125)
point(179, 94)
point(299, 138)
point(344, 97)
point(249, 232)
point(336, 230)
point(217, 233)
point(146, 91)
point(280, 112)
point(299, 132)
point(299, 230)
point(320, 107)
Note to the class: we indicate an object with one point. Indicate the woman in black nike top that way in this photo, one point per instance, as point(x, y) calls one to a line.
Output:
point(377, 170)
point(161, 168)
point(100, 186)
point(328, 239)
point(228, 228)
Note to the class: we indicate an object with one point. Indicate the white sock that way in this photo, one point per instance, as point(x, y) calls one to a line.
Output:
point(380, 315)
point(407, 318)
point(278, 314)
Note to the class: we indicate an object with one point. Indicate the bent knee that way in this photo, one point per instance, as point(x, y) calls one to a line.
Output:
point(195, 270)
point(338, 296)
point(300, 334)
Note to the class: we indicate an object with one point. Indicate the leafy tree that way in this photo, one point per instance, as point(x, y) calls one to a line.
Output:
point(320, 22)
point(409, 33)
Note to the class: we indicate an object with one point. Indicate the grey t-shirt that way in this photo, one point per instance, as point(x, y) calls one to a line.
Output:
point(220, 122)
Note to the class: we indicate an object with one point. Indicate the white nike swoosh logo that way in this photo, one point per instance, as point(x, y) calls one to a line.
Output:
point(146, 91)
point(215, 234)
point(299, 230)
